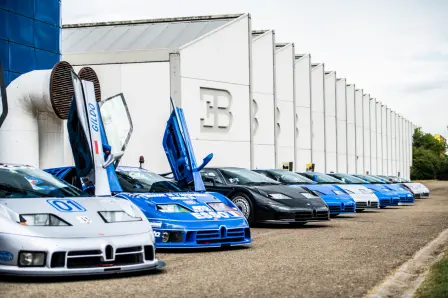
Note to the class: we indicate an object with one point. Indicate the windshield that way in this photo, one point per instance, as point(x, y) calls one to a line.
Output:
point(289, 177)
point(321, 178)
point(27, 182)
point(349, 179)
point(145, 181)
point(370, 179)
point(245, 177)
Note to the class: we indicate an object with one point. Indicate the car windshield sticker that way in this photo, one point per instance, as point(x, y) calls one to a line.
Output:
point(66, 205)
point(36, 184)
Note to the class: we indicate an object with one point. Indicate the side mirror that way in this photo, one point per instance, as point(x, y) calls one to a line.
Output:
point(112, 158)
point(210, 179)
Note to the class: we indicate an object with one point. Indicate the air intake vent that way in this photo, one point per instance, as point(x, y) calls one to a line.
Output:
point(88, 74)
point(61, 89)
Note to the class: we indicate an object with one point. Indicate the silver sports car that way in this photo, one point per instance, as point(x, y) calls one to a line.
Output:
point(50, 228)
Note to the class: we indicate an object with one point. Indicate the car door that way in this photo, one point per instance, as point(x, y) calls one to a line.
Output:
point(214, 181)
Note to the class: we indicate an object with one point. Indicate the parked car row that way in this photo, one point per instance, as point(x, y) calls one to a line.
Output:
point(98, 217)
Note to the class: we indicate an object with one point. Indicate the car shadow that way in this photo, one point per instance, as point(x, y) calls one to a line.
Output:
point(76, 278)
point(202, 249)
point(292, 226)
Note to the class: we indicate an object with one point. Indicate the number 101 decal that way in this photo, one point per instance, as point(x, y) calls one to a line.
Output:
point(66, 205)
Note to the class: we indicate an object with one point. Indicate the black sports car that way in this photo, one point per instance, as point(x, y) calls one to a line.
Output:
point(262, 199)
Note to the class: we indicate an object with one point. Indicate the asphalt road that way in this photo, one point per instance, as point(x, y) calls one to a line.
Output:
point(345, 257)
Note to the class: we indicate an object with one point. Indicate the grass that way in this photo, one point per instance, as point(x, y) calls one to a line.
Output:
point(436, 283)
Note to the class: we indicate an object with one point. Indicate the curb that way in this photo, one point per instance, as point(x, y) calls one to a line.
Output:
point(408, 277)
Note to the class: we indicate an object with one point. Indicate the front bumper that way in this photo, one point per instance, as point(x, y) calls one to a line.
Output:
point(219, 237)
point(81, 256)
point(406, 200)
point(294, 215)
point(366, 205)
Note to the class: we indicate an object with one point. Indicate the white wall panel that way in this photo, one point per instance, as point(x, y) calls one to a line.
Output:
point(394, 142)
point(389, 141)
point(351, 131)
point(303, 111)
point(367, 143)
point(330, 122)
point(284, 80)
point(373, 141)
point(263, 99)
point(318, 116)
point(215, 94)
point(384, 139)
point(341, 125)
point(379, 139)
point(146, 87)
point(359, 131)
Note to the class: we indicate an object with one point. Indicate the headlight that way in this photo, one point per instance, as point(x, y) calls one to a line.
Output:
point(117, 216)
point(338, 192)
point(220, 207)
point(309, 195)
point(32, 259)
point(42, 219)
point(173, 208)
point(386, 190)
point(279, 196)
point(172, 236)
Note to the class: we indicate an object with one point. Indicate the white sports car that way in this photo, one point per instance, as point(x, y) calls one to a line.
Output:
point(50, 228)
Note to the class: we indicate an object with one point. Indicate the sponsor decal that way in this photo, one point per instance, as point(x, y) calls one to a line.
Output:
point(216, 215)
point(84, 219)
point(66, 205)
point(201, 209)
point(155, 224)
point(156, 234)
point(190, 202)
point(93, 117)
point(6, 256)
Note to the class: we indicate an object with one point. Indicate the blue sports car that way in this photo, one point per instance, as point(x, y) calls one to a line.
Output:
point(406, 196)
point(338, 200)
point(385, 196)
point(180, 217)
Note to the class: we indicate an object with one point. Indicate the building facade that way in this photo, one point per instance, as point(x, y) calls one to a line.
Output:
point(30, 33)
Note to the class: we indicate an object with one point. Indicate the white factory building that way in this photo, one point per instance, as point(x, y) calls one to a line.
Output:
point(251, 100)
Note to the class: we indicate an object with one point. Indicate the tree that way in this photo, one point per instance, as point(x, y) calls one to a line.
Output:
point(429, 158)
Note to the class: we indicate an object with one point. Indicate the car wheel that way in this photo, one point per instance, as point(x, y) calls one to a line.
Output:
point(334, 215)
point(243, 203)
point(382, 207)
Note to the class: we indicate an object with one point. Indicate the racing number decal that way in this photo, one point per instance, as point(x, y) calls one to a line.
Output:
point(210, 215)
point(66, 205)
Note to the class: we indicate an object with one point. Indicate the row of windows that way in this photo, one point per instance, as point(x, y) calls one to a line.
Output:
point(18, 59)
point(47, 11)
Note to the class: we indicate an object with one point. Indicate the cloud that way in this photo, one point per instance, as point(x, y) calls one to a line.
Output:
point(435, 56)
point(423, 87)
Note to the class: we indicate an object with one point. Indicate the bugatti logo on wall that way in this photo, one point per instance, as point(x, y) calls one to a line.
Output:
point(217, 115)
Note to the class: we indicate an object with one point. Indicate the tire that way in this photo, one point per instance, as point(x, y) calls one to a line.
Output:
point(334, 215)
point(382, 207)
point(245, 205)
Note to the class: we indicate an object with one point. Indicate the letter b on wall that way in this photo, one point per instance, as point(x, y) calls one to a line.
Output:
point(216, 115)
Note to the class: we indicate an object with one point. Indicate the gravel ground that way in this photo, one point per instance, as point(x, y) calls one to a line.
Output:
point(345, 257)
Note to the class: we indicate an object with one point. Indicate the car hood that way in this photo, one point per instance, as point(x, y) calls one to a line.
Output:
point(81, 213)
point(377, 187)
point(196, 203)
point(397, 187)
point(416, 187)
point(298, 199)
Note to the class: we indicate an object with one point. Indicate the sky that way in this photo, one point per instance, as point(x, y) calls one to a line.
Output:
point(396, 51)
